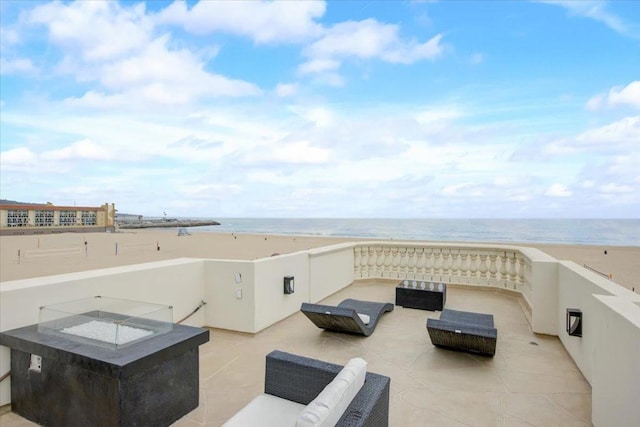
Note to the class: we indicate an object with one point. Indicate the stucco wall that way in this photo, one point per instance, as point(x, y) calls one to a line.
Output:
point(330, 269)
point(229, 293)
point(272, 305)
point(616, 365)
point(576, 287)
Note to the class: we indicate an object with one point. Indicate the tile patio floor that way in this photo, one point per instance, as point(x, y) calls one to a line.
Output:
point(531, 381)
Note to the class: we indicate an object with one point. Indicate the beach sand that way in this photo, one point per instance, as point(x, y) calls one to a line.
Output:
point(50, 254)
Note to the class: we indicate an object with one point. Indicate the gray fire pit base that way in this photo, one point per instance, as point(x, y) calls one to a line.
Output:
point(151, 383)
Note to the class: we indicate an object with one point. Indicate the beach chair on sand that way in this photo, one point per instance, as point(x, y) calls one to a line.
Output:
point(350, 316)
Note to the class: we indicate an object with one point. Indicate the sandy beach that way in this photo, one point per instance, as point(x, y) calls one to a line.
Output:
point(24, 257)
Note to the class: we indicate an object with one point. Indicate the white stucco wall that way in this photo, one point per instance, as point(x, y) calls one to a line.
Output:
point(272, 305)
point(330, 269)
point(176, 282)
point(224, 309)
point(616, 362)
point(543, 274)
point(576, 287)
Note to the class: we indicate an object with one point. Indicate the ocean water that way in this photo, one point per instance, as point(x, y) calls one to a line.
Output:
point(613, 232)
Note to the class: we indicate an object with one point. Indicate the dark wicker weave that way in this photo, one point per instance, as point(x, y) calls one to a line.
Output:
point(462, 330)
point(301, 379)
point(344, 317)
point(423, 299)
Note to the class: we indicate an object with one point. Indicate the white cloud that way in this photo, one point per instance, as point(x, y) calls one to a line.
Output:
point(596, 10)
point(629, 95)
point(439, 114)
point(617, 96)
point(96, 30)
point(318, 66)
point(115, 46)
point(8, 37)
point(159, 76)
point(623, 134)
point(300, 152)
point(320, 116)
point(367, 39)
point(17, 66)
point(80, 150)
point(616, 188)
point(17, 157)
point(329, 79)
point(558, 190)
point(262, 21)
point(284, 90)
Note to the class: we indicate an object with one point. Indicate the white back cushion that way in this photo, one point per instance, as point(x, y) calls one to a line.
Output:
point(266, 411)
point(327, 408)
point(365, 318)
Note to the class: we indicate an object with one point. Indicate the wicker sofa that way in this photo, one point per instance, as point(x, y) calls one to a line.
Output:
point(294, 381)
point(464, 331)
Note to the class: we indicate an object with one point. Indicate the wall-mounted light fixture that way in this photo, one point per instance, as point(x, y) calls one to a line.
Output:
point(289, 287)
point(574, 322)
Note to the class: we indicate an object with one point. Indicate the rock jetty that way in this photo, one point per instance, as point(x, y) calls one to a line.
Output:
point(164, 223)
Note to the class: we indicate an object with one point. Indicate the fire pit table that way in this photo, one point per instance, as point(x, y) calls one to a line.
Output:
point(104, 362)
point(422, 295)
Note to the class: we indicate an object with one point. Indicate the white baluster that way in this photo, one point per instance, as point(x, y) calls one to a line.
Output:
point(371, 262)
point(464, 264)
point(503, 268)
point(437, 262)
point(456, 263)
point(493, 270)
point(473, 266)
point(430, 262)
point(411, 252)
point(364, 259)
point(483, 265)
point(420, 262)
point(379, 262)
point(403, 262)
point(387, 262)
point(446, 262)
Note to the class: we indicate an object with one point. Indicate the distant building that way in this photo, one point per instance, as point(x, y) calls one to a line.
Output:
point(26, 218)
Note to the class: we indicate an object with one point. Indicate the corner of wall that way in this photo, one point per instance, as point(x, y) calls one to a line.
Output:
point(544, 281)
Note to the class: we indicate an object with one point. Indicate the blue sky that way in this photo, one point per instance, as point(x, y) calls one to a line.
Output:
point(419, 109)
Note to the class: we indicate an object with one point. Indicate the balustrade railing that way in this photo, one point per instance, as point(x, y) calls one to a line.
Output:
point(484, 266)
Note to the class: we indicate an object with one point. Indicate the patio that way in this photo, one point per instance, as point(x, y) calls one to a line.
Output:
point(531, 380)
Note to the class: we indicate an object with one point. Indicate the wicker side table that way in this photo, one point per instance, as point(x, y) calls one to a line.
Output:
point(424, 296)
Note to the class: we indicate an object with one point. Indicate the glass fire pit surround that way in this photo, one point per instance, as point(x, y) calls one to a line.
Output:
point(105, 321)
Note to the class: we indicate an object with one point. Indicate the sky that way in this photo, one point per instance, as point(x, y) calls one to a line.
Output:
point(313, 109)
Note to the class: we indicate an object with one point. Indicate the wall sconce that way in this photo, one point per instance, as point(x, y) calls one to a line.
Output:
point(574, 322)
point(288, 285)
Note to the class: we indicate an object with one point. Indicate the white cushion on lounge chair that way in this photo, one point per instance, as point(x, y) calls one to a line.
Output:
point(365, 318)
point(267, 411)
point(329, 406)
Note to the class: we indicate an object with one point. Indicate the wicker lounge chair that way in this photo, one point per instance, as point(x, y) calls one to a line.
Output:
point(295, 381)
point(350, 316)
point(464, 331)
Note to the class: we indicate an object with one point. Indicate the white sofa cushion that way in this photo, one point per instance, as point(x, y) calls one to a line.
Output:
point(365, 318)
point(327, 408)
point(267, 411)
